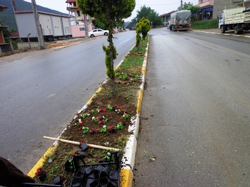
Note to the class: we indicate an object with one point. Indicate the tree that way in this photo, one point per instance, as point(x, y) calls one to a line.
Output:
point(110, 13)
point(142, 27)
point(149, 14)
point(194, 11)
point(185, 6)
point(132, 24)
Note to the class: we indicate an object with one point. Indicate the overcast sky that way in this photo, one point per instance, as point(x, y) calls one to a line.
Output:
point(160, 6)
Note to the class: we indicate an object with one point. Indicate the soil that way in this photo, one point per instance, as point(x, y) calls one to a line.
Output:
point(124, 99)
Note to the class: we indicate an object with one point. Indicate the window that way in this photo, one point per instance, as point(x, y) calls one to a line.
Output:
point(78, 13)
point(81, 29)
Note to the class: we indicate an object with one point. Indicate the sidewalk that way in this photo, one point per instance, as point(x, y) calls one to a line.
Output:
point(218, 31)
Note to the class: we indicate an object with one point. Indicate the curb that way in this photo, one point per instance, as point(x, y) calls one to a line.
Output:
point(128, 160)
point(225, 34)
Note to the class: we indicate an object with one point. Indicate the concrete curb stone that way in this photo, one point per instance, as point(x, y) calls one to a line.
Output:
point(246, 34)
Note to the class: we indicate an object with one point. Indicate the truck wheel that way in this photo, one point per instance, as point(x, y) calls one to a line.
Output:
point(170, 27)
point(222, 29)
point(236, 31)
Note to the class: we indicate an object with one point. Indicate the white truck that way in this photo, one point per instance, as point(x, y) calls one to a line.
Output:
point(237, 19)
point(180, 20)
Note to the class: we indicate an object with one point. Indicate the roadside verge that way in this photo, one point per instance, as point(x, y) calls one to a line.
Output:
point(130, 149)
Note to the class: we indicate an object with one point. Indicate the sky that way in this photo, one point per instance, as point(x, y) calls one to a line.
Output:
point(160, 6)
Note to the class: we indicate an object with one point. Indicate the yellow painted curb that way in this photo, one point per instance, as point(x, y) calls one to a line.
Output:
point(40, 162)
point(139, 102)
point(90, 100)
point(143, 70)
point(126, 178)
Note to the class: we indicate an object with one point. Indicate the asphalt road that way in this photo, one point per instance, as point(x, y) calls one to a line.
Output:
point(195, 112)
point(41, 91)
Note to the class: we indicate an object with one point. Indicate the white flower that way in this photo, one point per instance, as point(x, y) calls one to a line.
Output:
point(104, 126)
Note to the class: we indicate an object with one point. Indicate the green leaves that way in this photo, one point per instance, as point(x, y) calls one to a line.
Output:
point(142, 27)
point(150, 14)
point(107, 11)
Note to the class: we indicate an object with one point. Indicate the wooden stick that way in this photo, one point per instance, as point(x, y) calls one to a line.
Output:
point(78, 143)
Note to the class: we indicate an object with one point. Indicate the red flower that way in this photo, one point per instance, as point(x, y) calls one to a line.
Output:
point(92, 131)
point(103, 114)
point(39, 170)
point(79, 128)
point(100, 110)
point(100, 122)
point(104, 110)
point(97, 130)
point(81, 142)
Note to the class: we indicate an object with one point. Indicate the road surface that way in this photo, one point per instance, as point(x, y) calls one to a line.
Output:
point(195, 112)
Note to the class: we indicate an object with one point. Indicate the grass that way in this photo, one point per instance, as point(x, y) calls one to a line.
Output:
point(127, 86)
point(206, 24)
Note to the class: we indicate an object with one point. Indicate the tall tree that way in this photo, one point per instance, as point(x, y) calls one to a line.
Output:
point(149, 14)
point(132, 23)
point(185, 6)
point(110, 13)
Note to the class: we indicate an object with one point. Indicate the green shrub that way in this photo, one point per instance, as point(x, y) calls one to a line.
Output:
point(206, 24)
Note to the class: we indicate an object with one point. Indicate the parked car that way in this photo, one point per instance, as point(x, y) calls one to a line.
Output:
point(98, 32)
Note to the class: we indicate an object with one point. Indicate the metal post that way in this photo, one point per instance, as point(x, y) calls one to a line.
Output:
point(38, 26)
point(28, 36)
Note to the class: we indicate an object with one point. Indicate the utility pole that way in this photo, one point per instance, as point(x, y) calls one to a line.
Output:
point(181, 4)
point(86, 26)
point(38, 26)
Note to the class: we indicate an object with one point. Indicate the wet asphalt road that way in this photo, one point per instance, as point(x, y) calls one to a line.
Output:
point(41, 91)
point(195, 116)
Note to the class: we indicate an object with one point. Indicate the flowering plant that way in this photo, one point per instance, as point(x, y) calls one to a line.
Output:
point(126, 116)
point(85, 130)
point(103, 129)
point(41, 174)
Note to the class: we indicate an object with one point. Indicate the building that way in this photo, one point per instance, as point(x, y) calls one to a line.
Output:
point(4, 47)
point(220, 5)
point(207, 7)
point(77, 26)
point(166, 17)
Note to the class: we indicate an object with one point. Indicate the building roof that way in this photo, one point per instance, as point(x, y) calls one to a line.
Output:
point(40, 12)
point(3, 7)
point(70, 1)
point(3, 27)
point(168, 13)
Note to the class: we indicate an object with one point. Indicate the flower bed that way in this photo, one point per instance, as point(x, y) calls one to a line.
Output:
point(105, 122)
